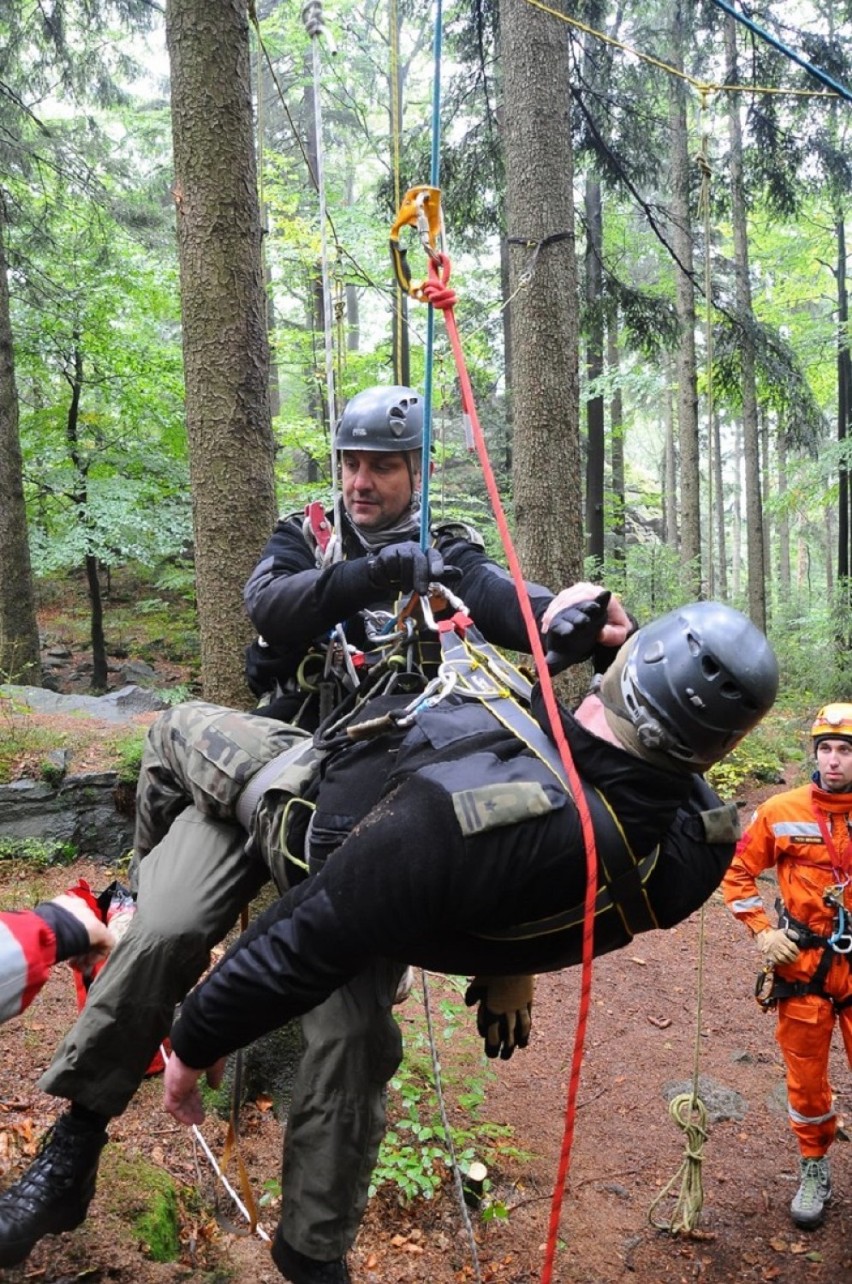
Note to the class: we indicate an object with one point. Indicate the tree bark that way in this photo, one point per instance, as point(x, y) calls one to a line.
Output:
point(595, 443)
point(616, 436)
point(20, 660)
point(687, 384)
point(720, 587)
point(784, 576)
point(540, 213)
point(751, 436)
point(226, 353)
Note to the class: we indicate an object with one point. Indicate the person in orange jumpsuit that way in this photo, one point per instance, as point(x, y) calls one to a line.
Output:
point(804, 834)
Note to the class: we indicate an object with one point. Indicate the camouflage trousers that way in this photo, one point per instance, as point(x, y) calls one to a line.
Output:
point(195, 870)
point(207, 755)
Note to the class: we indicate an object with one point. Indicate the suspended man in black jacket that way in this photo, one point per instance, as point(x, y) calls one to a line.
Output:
point(472, 861)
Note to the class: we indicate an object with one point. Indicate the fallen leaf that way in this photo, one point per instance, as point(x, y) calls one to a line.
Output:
point(662, 1023)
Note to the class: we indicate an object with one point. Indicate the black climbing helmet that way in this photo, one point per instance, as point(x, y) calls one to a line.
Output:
point(388, 419)
point(695, 681)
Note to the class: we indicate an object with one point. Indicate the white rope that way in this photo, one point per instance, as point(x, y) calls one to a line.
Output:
point(196, 1132)
point(454, 1163)
point(312, 18)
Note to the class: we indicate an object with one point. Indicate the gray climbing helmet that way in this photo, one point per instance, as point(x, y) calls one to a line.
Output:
point(695, 681)
point(388, 419)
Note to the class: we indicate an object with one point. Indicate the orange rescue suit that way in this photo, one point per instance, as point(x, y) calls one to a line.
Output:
point(804, 834)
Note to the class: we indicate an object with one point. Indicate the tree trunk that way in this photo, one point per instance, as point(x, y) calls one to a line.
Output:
point(616, 437)
point(720, 588)
point(783, 520)
point(595, 445)
point(20, 660)
point(736, 516)
point(80, 498)
point(226, 353)
point(687, 394)
point(540, 211)
point(844, 398)
point(670, 470)
point(751, 437)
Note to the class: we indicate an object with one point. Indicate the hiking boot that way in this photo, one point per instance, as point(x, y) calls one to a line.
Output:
point(813, 1194)
point(298, 1269)
point(54, 1193)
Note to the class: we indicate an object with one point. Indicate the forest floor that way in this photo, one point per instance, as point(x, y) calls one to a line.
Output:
point(672, 1010)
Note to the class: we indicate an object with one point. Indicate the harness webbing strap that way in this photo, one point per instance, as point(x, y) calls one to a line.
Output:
point(301, 753)
point(479, 669)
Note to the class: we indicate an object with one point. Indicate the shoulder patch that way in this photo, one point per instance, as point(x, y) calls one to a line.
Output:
point(459, 530)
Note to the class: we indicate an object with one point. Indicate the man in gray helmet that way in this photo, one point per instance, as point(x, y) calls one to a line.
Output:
point(473, 860)
point(327, 584)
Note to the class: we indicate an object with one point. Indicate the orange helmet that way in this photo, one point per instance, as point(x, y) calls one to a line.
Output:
point(833, 722)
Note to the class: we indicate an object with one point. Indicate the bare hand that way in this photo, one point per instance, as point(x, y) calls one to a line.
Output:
point(101, 938)
point(181, 1094)
point(617, 626)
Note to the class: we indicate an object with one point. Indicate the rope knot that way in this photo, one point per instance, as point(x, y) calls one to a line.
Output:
point(436, 290)
point(312, 17)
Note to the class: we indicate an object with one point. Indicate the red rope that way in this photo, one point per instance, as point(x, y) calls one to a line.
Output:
point(436, 290)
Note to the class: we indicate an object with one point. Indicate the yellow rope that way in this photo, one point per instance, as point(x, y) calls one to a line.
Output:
point(690, 1114)
point(702, 86)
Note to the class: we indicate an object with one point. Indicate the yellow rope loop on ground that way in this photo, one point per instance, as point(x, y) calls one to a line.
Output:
point(690, 1114)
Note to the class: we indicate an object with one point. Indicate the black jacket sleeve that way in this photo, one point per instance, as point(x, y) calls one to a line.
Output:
point(489, 593)
point(291, 602)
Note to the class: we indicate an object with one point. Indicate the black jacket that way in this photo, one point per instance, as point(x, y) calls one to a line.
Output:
point(472, 861)
point(293, 605)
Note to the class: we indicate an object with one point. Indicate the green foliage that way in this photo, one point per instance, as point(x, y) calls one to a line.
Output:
point(150, 1195)
point(128, 749)
point(37, 853)
point(415, 1156)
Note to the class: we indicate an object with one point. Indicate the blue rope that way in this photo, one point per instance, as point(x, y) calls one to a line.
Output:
point(822, 76)
point(434, 179)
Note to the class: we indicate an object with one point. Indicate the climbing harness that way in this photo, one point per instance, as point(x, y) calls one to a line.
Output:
point(769, 987)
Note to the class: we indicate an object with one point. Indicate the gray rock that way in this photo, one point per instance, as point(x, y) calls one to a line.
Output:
point(138, 671)
point(719, 1101)
point(114, 706)
point(80, 811)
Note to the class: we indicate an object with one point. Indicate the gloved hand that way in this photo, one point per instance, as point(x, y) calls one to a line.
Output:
point(504, 1016)
point(776, 946)
point(574, 631)
point(408, 568)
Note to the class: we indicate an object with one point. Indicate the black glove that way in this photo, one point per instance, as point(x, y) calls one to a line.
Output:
point(504, 1016)
point(408, 568)
point(573, 633)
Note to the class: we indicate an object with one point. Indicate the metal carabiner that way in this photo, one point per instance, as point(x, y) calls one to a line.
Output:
point(435, 691)
point(841, 939)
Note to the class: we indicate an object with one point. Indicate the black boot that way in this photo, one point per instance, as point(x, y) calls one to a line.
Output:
point(54, 1193)
point(298, 1269)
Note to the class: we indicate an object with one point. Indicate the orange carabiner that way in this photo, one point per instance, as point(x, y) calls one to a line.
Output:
point(421, 209)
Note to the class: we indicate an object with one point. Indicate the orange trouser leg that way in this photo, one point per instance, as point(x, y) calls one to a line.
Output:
point(804, 1030)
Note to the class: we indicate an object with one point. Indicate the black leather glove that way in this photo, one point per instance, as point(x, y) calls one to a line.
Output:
point(573, 633)
point(408, 568)
point(504, 1015)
